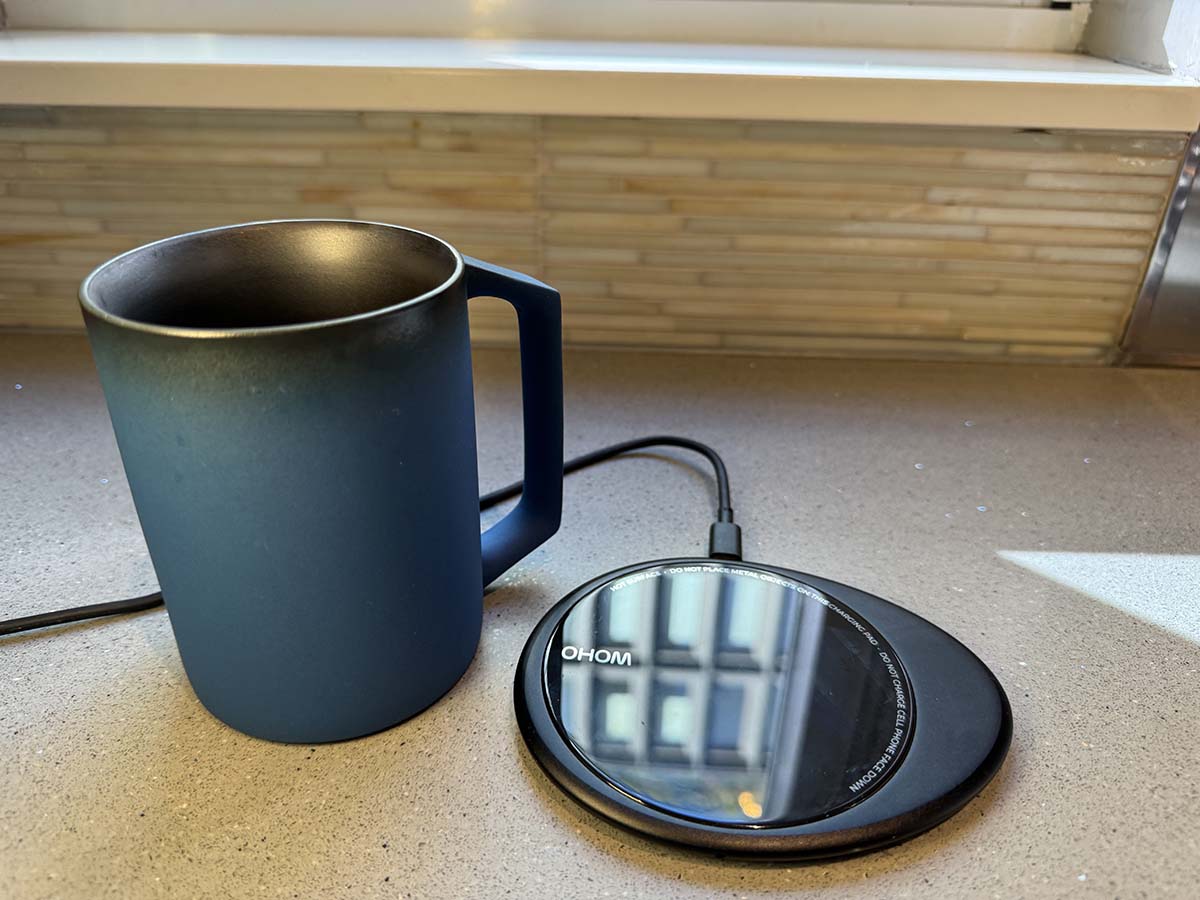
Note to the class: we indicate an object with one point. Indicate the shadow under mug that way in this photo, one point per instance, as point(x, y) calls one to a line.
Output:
point(293, 405)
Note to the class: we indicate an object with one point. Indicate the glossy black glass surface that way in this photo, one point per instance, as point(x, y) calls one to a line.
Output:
point(728, 695)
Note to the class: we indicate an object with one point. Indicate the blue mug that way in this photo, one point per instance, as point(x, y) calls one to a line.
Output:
point(294, 409)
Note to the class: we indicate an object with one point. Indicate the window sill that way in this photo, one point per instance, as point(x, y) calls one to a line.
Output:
point(912, 87)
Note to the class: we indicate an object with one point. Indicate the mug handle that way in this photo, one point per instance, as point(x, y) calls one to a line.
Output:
point(539, 324)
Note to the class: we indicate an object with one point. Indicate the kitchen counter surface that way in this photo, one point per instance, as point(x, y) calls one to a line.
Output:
point(1044, 516)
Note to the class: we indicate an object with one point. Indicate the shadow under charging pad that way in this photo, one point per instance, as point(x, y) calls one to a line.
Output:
point(750, 710)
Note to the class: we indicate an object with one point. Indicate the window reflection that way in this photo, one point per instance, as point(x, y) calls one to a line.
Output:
point(723, 670)
point(616, 616)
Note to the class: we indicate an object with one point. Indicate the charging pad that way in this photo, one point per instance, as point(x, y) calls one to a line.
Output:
point(750, 710)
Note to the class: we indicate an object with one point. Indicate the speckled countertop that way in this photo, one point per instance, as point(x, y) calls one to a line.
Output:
point(1047, 517)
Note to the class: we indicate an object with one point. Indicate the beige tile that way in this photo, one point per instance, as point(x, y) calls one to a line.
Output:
point(582, 303)
point(178, 174)
point(581, 184)
point(387, 121)
point(622, 165)
point(473, 123)
point(62, 290)
point(92, 257)
point(1110, 255)
point(604, 337)
point(170, 209)
point(466, 218)
point(590, 256)
point(820, 327)
point(18, 253)
point(611, 321)
point(26, 115)
point(185, 193)
point(469, 234)
point(266, 120)
point(466, 201)
point(143, 231)
point(611, 306)
point(27, 205)
point(1076, 273)
point(921, 283)
point(326, 178)
point(40, 313)
point(768, 314)
point(853, 346)
point(987, 138)
point(574, 287)
point(819, 226)
point(258, 137)
point(870, 174)
point(613, 275)
point(845, 154)
point(768, 207)
point(792, 262)
point(1087, 163)
point(1043, 352)
point(1035, 287)
point(1092, 237)
point(600, 222)
point(725, 187)
point(977, 307)
point(596, 144)
point(613, 202)
point(493, 337)
point(476, 143)
point(424, 180)
point(962, 196)
point(1037, 336)
point(1039, 319)
point(879, 246)
point(162, 153)
point(912, 212)
point(491, 312)
point(693, 128)
point(1155, 185)
point(796, 295)
point(422, 160)
point(115, 241)
point(526, 261)
point(1071, 218)
point(94, 241)
point(42, 273)
point(16, 239)
point(637, 240)
point(38, 225)
point(803, 238)
point(17, 133)
point(841, 281)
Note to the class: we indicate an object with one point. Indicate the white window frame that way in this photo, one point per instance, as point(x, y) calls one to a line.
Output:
point(1009, 25)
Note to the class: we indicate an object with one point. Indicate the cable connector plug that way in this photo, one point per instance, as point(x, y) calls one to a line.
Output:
point(724, 541)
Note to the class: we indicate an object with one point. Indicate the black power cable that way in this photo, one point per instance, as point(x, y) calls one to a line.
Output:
point(79, 613)
point(724, 542)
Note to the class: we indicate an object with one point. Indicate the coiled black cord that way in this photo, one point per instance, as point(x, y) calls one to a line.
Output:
point(725, 538)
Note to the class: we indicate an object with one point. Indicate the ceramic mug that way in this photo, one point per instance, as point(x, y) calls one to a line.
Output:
point(293, 405)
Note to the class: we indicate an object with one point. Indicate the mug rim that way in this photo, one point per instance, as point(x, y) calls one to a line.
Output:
point(91, 306)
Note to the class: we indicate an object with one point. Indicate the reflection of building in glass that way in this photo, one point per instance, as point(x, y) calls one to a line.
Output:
point(698, 707)
point(727, 696)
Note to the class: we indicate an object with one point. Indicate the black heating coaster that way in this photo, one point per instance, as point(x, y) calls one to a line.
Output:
point(750, 710)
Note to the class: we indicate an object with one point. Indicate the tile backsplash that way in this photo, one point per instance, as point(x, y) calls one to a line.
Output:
point(708, 235)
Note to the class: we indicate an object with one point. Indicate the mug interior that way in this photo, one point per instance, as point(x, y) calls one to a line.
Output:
point(268, 274)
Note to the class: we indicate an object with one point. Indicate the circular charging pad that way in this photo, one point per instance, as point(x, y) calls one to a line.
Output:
point(751, 710)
